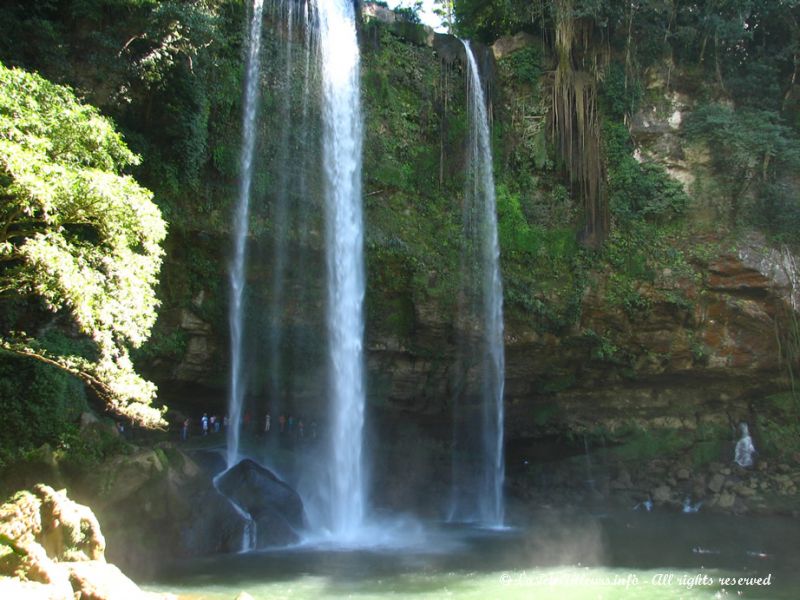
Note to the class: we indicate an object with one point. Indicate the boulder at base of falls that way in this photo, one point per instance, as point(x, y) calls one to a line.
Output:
point(274, 506)
point(52, 547)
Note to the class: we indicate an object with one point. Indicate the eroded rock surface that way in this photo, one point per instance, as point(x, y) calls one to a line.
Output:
point(52, 547)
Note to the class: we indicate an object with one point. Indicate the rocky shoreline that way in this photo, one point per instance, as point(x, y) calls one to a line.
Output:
point(671, 485)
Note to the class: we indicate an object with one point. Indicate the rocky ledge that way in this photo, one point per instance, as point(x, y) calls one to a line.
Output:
point(52, 548)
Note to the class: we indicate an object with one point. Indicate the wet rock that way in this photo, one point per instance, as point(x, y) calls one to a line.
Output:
point(726, 500)
point(158, 502)
point(125, 474)
point(662, 494)
point(623, 481)
point(716, 482)
point(215, 527)
point(275, 507)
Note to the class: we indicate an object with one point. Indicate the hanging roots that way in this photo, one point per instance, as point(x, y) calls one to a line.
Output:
point(575, 120)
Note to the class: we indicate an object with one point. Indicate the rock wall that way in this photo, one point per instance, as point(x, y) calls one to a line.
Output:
point(697, 350)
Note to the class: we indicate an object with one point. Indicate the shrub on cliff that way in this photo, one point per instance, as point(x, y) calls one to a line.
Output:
point(77, 235)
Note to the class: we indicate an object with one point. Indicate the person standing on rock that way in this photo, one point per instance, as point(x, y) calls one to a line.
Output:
point(267, 423)
point(185, 429)
point(204, 423)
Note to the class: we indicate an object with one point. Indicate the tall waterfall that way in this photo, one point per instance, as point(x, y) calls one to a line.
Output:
point(280, 218)
point(318, 84)
point(342, 142)
point(478, 487)
point(237, 272)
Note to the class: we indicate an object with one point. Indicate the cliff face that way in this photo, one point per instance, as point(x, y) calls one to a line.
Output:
point(679, 327)
point(578, 331)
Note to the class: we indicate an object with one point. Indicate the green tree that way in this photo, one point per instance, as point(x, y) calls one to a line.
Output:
point(759, 149)
point(78, 234)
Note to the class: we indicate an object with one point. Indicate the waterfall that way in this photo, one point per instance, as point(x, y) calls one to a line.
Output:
point(249, 532)
point(329, 66)
point(342, 141)
point(280, 220)
point(744, 451)
point(479, 495)
point(237, 272)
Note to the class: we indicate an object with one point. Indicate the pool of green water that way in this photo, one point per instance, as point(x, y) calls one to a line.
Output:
point(621, 556)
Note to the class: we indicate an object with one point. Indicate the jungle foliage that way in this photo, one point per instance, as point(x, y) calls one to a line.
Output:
point(739, 58)
point(169, 75)
point(77, 234)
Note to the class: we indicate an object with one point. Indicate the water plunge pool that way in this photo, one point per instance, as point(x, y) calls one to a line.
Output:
point(622, 555)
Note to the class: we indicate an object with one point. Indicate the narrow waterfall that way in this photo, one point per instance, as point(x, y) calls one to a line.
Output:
point(237, 272)
point(280, 218)
point(342, 142)
point(483, 501)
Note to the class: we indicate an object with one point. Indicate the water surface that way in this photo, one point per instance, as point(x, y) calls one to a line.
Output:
point(625, 555)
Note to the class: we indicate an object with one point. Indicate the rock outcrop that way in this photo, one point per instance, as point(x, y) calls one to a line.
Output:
point(159, 500)
point(52, 547)
point(274, 506)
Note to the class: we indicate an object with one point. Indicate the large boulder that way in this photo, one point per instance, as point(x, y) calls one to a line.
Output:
point(274, 506)
point(52, 547)
point(99, 580)
point(159, 501)
point(215, 526)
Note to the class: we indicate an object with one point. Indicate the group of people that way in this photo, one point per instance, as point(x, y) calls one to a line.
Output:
point(288, 427)
point(212, 424)
point(292, 427)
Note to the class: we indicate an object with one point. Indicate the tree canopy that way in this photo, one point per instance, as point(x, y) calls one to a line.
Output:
point(78, 234)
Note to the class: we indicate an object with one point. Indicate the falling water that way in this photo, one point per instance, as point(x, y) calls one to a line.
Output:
point(744, 451)
point(342, 140)
point(280, 214)
point(480, 196)
point(237, 273)
point(249, 532)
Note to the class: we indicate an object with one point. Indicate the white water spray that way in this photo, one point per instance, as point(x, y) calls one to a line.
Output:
point(745, 450)
point(237, 273)
point(480, 195)
point(342, 147)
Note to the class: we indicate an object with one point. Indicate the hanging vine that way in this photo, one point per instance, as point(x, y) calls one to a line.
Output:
point(575, 121)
